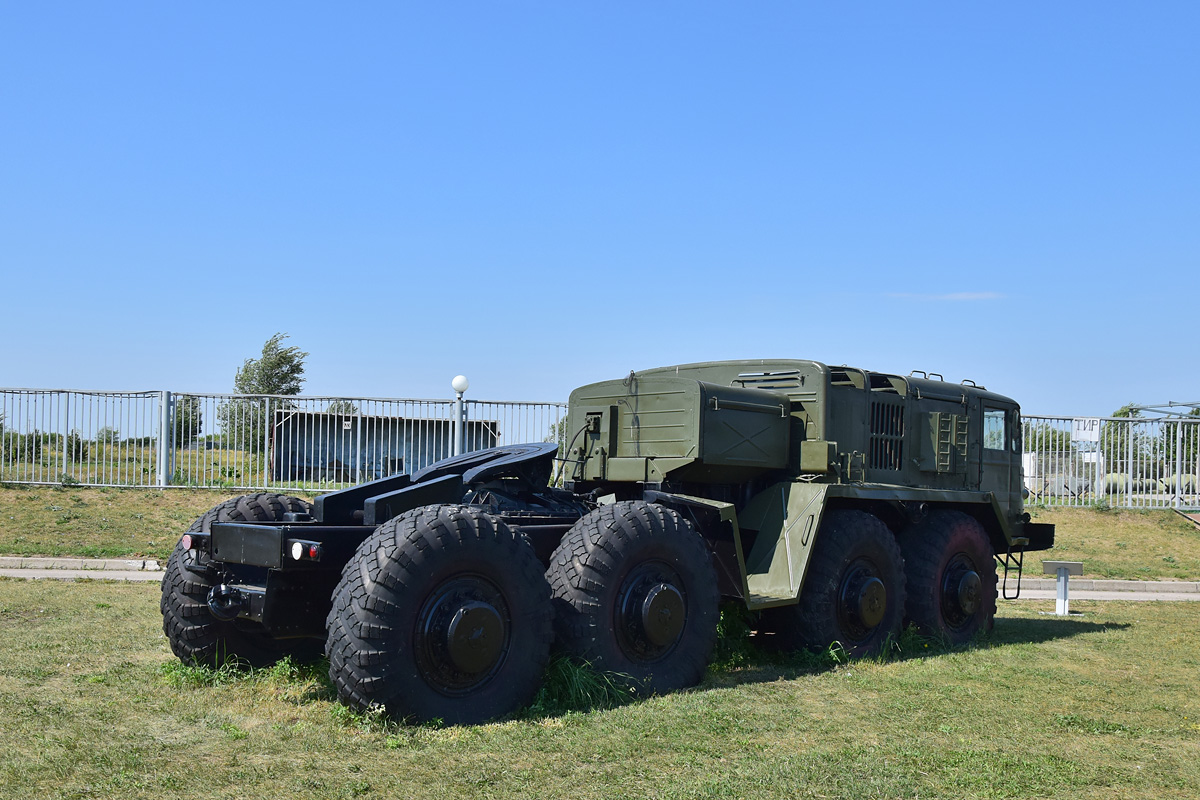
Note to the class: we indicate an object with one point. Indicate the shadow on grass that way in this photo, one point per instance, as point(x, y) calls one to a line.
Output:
point(571, 686)
point(754, 658)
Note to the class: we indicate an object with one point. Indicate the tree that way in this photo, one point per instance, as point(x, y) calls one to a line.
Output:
point(280, 370)
point(344, 407)
point(188, 419)
point(77, 446)
point(1127, 451)
point(1183, 431)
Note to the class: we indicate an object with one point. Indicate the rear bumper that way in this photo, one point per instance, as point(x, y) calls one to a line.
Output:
point(270, 546)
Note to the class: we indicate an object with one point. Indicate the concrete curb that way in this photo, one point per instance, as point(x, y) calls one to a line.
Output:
point(1091, 585)
point(1127, 596)
point(82, 564)
point(127, 576)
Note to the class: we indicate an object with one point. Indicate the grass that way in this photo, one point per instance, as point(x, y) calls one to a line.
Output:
point(99, 523)
point(116, 523)
point(1094, 707)
point(1122, 544)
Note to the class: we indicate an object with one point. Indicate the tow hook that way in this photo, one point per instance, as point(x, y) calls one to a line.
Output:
point(226, 602)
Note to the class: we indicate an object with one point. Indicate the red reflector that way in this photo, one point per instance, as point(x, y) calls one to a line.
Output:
point(314, 551)
point(186, 541)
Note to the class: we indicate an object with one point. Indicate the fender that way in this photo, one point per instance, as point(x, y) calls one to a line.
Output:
point(786, 517)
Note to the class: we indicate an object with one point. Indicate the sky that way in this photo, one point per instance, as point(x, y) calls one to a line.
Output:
point(540, 195)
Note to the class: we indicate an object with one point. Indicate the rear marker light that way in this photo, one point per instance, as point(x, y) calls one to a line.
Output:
point(301, 550)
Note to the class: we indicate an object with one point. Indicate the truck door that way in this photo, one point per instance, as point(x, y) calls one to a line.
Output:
point(998, 453)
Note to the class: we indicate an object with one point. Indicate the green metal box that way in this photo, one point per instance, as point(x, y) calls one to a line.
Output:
point(647, 428)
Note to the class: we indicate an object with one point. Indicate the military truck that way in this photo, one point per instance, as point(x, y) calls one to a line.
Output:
point(833, 502)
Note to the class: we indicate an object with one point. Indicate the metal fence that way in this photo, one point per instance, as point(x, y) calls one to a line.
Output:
point(1117, 461)
point(161, 439)
point(260, 442)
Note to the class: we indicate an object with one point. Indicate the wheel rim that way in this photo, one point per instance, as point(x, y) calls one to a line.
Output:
point(462, 636)
point(962, 591)
point(651, 612)
point(862, 600)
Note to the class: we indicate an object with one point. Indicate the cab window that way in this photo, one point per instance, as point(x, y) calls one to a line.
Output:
point(993, 429)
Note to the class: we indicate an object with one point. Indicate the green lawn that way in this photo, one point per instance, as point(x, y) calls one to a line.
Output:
point(113, 523)
point(99, 523)
point(1127, 545)
point(1099, 706)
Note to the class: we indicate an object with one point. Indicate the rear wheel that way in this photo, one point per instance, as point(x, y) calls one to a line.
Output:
point(635, 594)
point(195, 635)
point(853, 592)
point(951, 576)
point(443, 613)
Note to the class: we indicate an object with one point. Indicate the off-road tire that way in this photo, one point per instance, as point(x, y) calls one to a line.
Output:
point(195, 635)
point(937, 552)
point(610, 562)
point(851, 547)
point(395, 611)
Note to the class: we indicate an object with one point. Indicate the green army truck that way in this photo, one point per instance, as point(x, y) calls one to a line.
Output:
point(838, 504)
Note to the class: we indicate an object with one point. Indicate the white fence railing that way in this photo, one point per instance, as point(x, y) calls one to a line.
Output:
point(256, 442)
point(1118, 461)
point(163, 439)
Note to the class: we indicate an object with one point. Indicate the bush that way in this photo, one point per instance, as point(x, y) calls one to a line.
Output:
point(23, 447)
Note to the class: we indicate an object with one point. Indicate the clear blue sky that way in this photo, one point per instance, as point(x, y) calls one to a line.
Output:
point(540, 195)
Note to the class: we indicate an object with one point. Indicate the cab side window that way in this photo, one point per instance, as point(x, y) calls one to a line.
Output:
point(994, 437)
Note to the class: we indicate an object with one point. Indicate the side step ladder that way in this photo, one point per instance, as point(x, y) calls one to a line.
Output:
point(1012, 564)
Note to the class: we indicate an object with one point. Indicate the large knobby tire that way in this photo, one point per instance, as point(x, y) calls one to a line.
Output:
point(951, 576)
point(195, 635)
point(635, 595)
point(853, 592)
point(442, 614)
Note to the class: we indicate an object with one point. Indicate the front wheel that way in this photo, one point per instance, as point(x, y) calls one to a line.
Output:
point(442, 613)
point(951, 576)
point(635, 594)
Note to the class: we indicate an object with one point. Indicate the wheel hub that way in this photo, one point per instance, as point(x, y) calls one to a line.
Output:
point(862, 601)
point(962, 591)
point(475, 637)
point(663, 614)
point(462, 634)
point(872, 602)
point(651, 612)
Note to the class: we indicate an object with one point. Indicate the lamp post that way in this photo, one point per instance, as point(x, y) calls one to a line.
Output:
point(460, 384)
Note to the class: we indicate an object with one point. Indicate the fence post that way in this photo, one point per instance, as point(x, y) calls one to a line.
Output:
point(266, 441)
point(1129, 461)
point(360, 444)
point(1178, 464)
point(66, 432)
point(164, 428)
point(460, 384)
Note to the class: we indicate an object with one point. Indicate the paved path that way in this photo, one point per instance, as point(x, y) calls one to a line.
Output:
point(70, 569)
